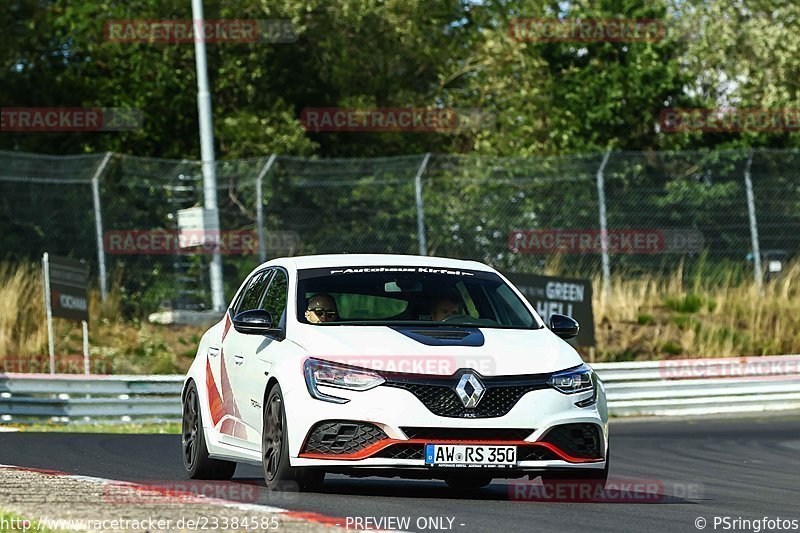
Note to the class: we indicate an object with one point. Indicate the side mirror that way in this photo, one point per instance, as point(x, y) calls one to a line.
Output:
point(254, 322)
point(564, 326)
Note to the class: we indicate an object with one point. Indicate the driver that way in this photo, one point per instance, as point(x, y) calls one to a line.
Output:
point(446, 305)
point(321, 308)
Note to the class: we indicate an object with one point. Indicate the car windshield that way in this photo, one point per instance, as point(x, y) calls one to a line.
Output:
point(389, 295)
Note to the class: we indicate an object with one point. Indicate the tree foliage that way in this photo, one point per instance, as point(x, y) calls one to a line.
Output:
point(531, 98)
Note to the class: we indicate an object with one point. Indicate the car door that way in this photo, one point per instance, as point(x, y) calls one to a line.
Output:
point(258, 353)
point(233, 430)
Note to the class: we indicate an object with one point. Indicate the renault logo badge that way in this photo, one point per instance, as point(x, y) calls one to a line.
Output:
point(470, 390)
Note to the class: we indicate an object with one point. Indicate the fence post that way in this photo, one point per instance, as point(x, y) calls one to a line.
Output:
point(601, 201)
point(262, 238)
point(423, 245)
point(751, 209)
point(85, 327)
point(98, 226)
point(48, 311)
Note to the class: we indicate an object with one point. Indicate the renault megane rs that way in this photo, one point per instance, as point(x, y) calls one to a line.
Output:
point(389, 365)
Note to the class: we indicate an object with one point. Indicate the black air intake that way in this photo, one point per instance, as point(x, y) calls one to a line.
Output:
point(577, 440)
point(342, 437)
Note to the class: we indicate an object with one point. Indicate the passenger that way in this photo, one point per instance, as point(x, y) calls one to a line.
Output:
point(321, 308)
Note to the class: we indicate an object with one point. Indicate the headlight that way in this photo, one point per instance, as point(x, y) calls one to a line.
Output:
point(575, 380)
point(319, 372)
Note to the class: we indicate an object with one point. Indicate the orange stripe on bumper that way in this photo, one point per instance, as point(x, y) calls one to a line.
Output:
point(372, 449)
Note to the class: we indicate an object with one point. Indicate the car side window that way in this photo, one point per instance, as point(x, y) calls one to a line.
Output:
point(275, 298)
point(251, 297)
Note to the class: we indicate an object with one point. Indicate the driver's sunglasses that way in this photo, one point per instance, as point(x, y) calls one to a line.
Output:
point(321, 311)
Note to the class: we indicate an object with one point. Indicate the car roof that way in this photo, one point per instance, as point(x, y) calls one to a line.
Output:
point(353, 260)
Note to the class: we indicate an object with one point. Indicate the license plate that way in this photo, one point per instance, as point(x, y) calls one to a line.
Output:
point(470, 455)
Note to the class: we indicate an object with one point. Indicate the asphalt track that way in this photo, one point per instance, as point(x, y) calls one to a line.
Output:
point(745, 468)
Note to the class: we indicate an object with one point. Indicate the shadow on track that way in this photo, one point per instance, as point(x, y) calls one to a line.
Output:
point(517, 492)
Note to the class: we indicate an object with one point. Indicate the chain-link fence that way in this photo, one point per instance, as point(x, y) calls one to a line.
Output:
point(631, 212)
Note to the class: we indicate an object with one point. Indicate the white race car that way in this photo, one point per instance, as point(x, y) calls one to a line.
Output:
point(390, 365)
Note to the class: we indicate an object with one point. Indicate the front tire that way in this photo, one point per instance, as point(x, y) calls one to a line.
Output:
point(196, 461)
point(278, 473)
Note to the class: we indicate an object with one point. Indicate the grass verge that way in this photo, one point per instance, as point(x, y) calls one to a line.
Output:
point(170, 428)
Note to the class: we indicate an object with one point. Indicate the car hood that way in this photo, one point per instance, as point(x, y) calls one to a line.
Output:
point(504, 351)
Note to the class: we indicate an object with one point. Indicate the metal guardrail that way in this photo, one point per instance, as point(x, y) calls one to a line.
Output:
point(75, 398)
point(702, 386)
point(661, 388)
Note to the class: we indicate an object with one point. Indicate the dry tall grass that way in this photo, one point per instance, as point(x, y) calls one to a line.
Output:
point(23, 330)
point(21, 310)
point(654, 317)
point(116, 345)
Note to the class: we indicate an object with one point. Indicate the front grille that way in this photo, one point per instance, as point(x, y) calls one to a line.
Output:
point(340, 437)
point(577, 440)
point(402, 451)
point(487, 434)
point(439, 396)
point(535, 453)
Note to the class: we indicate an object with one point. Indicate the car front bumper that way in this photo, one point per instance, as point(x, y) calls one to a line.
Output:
point(393, 411)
